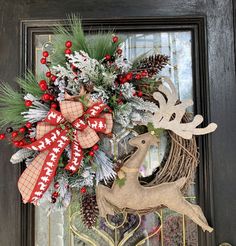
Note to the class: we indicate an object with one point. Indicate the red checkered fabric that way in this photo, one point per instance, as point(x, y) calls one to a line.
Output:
point(87, 138)
point(71, 110)
point(42, 129)
point(109, 122)
point(29, 177)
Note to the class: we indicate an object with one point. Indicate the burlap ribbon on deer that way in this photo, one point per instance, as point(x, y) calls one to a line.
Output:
point(72, 126)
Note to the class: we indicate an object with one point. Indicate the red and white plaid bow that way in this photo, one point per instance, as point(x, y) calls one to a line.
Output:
point(58, 130)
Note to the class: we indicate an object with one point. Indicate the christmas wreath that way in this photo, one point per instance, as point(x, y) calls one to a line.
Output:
point(63, 120)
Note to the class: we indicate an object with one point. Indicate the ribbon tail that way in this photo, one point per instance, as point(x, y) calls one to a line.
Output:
point(76, 158)
point(96, 109)
point(45, 142)
point(98, 124)
point(54, 117)
point(36, 179)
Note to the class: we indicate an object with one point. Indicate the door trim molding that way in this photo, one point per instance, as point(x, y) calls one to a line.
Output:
point(197, 26)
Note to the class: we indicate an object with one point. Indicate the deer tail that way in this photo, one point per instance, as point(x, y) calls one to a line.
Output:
point(181, 182)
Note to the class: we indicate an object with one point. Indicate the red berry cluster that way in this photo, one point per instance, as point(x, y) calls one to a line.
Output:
point(44, 85)
point(44, 58)
point(55, 194)
point(18, 137)
point(68, 45)
point(83, 190)
point(115, 39)
point(94, 148)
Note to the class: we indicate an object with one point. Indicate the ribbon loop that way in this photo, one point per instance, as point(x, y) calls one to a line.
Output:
point(54, 117)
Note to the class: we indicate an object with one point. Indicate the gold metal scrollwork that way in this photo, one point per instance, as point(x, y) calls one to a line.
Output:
point(106, 237)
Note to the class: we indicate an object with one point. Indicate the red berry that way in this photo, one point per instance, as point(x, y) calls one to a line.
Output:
point(54, 105)
point(28, 103)
point(14, 134)
point(129, 76)
point(144, 73)
point(91, 153)
point(134, 94)
point(42, 82)
point(56, 185)
point(140, 94)
point(32, 139)
point(73, 67)
point(55, 194)
point(51, 98)
point(123, 80)
point(16, 143)
point(28, 124)
point(48, 74)
point(43, 87)
point(83, 190)
point(2, 136)
point(53, 78)
point(115, 39)
point(95, 147)
point(22, 130)
point(138, 76)
point(107, 57)
point(68, 44)
point(119, 51)
point(45, 54)
point(21, 143)
point(46, 97)
point(68, 51)
point(43, 60)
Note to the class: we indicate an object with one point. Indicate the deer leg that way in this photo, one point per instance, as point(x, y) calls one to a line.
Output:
point(187, 209)
point(200, 213)
point(103, 206)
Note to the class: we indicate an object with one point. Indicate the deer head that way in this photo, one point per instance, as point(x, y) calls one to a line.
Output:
point(171, 112)
point(144, 140)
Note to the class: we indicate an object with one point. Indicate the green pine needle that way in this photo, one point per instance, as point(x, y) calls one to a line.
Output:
point(29, 83)
point(12, 101)
point(96, 45)
point(11, 106)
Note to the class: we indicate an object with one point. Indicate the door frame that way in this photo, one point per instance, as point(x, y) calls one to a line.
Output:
point(197, 26)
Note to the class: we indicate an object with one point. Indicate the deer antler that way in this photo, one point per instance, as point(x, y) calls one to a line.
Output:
point(171, 112)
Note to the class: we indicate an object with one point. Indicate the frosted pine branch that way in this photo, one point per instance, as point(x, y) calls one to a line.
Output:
point(37, 112)
point(140, 104)
point(104, 167)
point(21, 155)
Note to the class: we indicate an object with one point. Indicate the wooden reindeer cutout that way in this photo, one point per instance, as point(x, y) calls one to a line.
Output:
point(171, 112)
point(136, 197)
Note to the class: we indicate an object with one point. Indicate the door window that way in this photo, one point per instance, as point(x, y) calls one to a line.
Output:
point(164, 228)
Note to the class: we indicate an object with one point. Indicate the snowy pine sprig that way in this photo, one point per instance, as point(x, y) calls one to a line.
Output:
point(36, 112)
point(104, 167)
point(143, 105)
point(21, 155)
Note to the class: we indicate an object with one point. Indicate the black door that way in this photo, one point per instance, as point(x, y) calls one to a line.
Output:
point(212, 27)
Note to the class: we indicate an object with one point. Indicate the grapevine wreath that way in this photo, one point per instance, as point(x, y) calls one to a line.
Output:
point(63, 120)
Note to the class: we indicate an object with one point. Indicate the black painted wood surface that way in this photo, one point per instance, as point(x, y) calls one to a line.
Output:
point(221, 92)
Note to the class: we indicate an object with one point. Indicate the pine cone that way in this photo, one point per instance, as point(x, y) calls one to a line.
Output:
point(88, 86)
point(89, 210)
point(153, 64)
